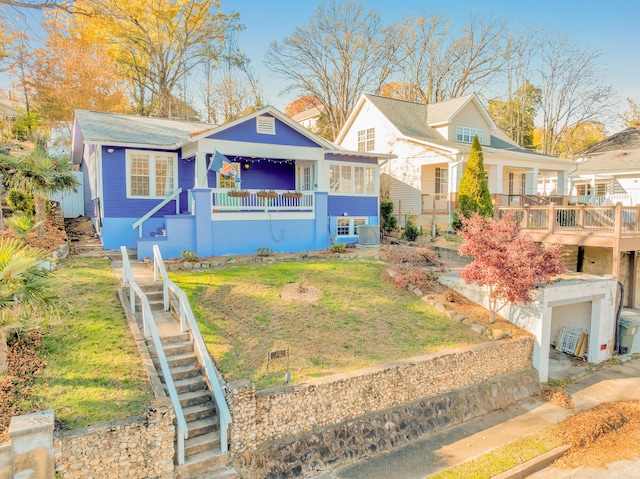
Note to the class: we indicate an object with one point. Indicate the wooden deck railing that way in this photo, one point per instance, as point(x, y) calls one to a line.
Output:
point(586, 219)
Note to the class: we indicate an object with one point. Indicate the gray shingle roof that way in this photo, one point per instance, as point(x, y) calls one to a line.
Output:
point(411, 119)
point(619, 153)
point(126, 129)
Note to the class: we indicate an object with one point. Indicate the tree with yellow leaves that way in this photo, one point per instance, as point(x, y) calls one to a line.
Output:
point(73, 70)
point(157, 43)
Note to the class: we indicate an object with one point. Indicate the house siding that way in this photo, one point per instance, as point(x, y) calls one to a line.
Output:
point(470, 117)
point(406, 199)
point(246, 132)
point(338, 205)
point(385, 133)
point(116, 203)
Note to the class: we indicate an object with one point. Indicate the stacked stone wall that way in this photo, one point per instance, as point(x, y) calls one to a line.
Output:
point(276, 413)
point(136, 448)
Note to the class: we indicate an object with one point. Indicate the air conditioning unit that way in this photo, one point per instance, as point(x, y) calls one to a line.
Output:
point(368, 235)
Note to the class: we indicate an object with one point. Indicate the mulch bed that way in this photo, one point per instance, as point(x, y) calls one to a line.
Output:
point(16, 385)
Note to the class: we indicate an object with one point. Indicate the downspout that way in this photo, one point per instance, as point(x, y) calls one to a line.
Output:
point(450, 188)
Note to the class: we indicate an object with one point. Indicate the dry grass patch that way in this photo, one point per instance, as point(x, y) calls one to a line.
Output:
point(355, 320)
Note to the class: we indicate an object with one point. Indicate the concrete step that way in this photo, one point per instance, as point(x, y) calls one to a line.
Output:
point(181, 372)
point(214, 463)
point(176, 338)
point(189, 384)
point(199, 411)
point(202, 443)
point(172, 349)
point(193, 398)
point(202, 426)
point(178, 360)
point(154, 304)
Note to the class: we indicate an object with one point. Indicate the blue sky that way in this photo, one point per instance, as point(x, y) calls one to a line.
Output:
point(610, 27)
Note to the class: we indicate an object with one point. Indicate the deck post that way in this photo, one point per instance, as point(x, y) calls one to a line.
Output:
point(615, 264)
point(631, 299)
point(551, 221)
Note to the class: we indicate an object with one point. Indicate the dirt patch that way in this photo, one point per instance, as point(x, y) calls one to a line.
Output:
point(300, 293)
point(55, 233)
point(607, 433)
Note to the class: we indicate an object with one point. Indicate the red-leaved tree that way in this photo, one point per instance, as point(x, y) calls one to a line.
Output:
point(509, 263)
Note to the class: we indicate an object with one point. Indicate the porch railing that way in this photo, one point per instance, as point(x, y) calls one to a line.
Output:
point(438, 202)
point(606, 200)
point(188, 323)
point(254, 200)
point(587, 219)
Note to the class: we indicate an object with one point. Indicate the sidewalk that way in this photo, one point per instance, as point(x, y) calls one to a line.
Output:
point(461, 443)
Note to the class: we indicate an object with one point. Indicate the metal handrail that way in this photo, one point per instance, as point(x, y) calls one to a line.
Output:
point(150, 329)
point(156, 208)
point(188, 323)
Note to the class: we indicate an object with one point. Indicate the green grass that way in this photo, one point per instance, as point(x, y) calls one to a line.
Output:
point(94, 372)
point(506, 457)
point(358, 321)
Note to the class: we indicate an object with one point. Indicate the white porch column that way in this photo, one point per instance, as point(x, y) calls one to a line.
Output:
point(562, 188)
point(455, 174)
point(497, 174)
point(531, 188)
point(201, 166)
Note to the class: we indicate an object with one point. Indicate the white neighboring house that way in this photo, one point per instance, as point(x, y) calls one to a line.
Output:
point(432, 143)
point(309, 118)
point(608, 172)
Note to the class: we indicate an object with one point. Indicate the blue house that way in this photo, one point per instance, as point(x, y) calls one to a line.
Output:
point(262, 181)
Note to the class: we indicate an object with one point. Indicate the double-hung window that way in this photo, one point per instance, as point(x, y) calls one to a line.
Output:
point(151, 174)
point(348, 179)
point(466, 135)
point(366, 139)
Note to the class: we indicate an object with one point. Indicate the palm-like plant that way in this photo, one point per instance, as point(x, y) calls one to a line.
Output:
point(26, 289)
point(40, 175)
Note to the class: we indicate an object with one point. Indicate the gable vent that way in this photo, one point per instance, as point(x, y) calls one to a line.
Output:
point(266, 125)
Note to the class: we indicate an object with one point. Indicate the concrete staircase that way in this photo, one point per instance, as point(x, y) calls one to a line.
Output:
point(202, 448)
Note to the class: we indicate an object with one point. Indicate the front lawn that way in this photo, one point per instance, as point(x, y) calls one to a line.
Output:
point(334, 316)
point(94, 371)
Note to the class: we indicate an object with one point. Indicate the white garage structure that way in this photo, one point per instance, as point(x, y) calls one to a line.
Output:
point(577, 303)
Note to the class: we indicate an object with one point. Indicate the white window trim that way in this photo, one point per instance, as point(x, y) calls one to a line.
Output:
point(351, 219)
point(472, 133)
point(366, 139)
point(353, 166)
point(152, 171)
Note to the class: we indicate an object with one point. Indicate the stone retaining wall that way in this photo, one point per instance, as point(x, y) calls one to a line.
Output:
point(273, 414)
point(136, 448)
point(378, 432)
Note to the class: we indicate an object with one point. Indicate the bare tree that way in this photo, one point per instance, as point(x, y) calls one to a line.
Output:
point(573, 92)
point(438, 65)
point(230, 88)
point(343, 51)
